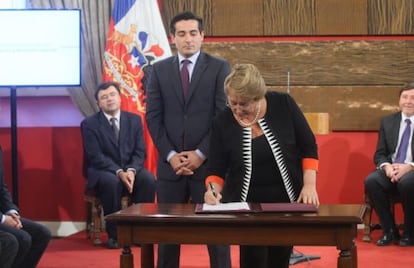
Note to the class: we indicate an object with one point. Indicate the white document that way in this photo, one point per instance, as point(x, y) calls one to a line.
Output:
point(233, 206)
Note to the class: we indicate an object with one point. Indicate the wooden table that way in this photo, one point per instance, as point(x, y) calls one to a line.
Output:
point(148, 224)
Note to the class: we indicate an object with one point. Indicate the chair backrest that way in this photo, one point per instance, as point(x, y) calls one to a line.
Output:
point(85, 165)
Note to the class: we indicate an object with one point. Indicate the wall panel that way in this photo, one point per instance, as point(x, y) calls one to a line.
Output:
point(356, 82)
point(287, 17)
point(387, 17)
point(332, 63)
point(339, 17)
point(350, 108)
point(237, 18)
point(298, 17)
point(199, 7)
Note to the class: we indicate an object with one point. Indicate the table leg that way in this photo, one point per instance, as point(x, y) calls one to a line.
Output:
point(126, 259)
point(354, 256)
point(348, 258)
point(147, 256)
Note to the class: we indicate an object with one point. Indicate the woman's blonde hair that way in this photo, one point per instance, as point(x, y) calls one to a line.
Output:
point(246, 81)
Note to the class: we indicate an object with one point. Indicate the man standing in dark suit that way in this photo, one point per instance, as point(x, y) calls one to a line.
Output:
point(31, 236)
point(395, 170)
point(184, 93)
point(114, 149)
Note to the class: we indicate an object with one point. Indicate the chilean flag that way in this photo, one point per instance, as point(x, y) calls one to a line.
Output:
point(136, 39)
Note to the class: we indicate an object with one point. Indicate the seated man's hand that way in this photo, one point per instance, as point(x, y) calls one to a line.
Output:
point(13, 220)
point(127, 178)
point(399, 170)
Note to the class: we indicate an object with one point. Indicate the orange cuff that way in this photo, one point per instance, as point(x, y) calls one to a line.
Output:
point(213, 178)
point(310, 163)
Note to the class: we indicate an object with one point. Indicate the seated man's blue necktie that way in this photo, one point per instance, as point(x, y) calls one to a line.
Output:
point(405, 138)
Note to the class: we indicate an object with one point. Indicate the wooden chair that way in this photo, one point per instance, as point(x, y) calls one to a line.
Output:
point(95, 225)
point(368, 225)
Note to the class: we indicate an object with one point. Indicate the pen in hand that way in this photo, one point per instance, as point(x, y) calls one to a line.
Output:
point(212, 189)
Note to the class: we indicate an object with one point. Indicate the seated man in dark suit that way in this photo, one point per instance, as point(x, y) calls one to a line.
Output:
point(32, 238)
point(8, 249)
point(114, 149)
point(395, 170)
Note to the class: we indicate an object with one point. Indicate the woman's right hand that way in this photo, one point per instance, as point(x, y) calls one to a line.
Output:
point(210, 199)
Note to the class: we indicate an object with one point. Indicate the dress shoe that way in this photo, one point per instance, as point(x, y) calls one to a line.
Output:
point(388, 238)
point(405, 241)
point(112, 243)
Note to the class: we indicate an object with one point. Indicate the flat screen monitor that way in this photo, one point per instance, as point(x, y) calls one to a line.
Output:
point(40, 47)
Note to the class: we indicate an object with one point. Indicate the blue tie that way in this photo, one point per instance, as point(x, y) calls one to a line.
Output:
point(405, 138)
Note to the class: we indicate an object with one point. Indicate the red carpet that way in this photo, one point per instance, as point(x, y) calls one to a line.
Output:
point(76, 251)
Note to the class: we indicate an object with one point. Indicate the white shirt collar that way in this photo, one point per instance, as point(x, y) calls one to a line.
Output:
point(193, 58)
point(117, 116)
